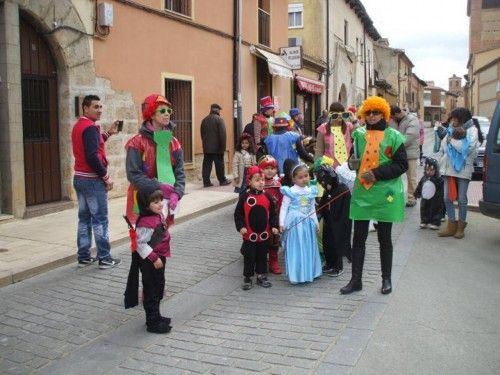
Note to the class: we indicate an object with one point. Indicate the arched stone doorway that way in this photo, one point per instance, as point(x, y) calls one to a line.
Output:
point(70, 57)
point(42, 176)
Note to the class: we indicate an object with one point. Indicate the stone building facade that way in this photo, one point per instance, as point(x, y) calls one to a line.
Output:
point(483, 78)
point(54, 52)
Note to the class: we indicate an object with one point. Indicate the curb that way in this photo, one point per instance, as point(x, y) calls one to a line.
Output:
point(37, 270)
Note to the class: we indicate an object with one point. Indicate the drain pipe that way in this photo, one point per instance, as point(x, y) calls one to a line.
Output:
point(237, 122)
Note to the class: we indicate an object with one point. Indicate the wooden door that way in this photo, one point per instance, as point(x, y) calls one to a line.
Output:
point(40, 118)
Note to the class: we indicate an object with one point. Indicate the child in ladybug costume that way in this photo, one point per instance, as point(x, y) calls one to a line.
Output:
point(256, 220)
point(272, 185)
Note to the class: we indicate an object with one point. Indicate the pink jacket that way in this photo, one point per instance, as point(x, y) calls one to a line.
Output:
point(325, 144)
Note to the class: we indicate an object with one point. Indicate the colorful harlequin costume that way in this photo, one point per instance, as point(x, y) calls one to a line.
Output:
point(284, 144)
point(334, 141)
point(380, 158)
point(376, 145)
point(255, 211)
point(272, 187)
point(154, 157)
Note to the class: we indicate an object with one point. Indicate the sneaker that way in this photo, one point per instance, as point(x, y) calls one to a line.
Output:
point(335, 273)
point(423, 225)
point(86, 262)
point(224, 183)
point(433, 227)
point(247, 284)
point(327, 269)
point(208, 185)
point(106, 263)
point(263, 282)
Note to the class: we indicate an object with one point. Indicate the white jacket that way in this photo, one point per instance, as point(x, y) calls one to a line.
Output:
point(445, 166)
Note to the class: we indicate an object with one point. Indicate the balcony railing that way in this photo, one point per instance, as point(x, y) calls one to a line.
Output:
point(264, 27)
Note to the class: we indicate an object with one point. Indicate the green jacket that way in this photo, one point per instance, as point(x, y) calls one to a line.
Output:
point(384, 201)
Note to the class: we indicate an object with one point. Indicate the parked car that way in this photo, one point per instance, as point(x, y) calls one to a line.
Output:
point(490, 204)
point(478, 164)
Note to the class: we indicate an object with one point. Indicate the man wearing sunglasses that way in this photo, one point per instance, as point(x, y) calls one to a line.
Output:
point(213, 137)
point(409, 126)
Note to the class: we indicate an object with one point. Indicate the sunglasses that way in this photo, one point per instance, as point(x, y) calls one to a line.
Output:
point(343, 115)
point(166, 110)
point(374, 113)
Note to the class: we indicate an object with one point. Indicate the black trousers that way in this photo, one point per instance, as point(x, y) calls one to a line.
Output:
point(153, 286)
point(384, 234)
point(206, 169)
point(431, 210)
point(254, 257)
point(336, 242)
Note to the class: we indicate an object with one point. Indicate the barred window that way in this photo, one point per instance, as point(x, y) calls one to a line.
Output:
point(179, 6)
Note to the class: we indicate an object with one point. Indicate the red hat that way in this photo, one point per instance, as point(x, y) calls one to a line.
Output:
point(150, 104)
point(266, 103)
point(352, 109)
point(267, 161)
point(280, 122)
point(253, 170)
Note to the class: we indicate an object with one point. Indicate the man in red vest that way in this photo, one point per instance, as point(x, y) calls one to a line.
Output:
point(92, 183)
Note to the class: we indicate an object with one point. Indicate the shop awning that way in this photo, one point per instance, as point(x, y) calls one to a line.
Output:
point(277, 66)
point(309, 85)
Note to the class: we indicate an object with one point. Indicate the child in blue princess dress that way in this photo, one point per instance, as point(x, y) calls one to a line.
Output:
point(299, 223)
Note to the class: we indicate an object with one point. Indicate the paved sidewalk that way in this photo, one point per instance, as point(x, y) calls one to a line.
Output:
point(54, 323)
point(31, 246)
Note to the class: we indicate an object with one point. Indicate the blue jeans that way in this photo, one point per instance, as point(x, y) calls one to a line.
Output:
point(462, 186)
point(92, 215)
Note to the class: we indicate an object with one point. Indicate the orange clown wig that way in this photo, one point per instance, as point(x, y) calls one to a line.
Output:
point(376, 103)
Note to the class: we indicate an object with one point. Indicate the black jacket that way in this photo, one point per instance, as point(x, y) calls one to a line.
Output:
point(213, 134)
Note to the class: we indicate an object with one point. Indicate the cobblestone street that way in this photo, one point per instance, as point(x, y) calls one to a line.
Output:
point(72, 320)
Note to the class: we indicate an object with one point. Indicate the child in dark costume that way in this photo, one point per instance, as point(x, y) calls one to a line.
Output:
point(255, 219)
point(430, 189)
point(337, 225)
point(153, 247)
point(288, 165)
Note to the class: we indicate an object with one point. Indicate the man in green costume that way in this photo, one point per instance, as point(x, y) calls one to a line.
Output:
point(379, 157)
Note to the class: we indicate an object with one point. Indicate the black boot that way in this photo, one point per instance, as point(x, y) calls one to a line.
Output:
point(155, 323)
point(386, 286)
point(386, 265)
point(358, 259)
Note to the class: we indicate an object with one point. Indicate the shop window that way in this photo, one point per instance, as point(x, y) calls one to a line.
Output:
point(264, 80)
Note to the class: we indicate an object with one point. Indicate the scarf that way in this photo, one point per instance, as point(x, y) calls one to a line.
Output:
point(458, 158)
